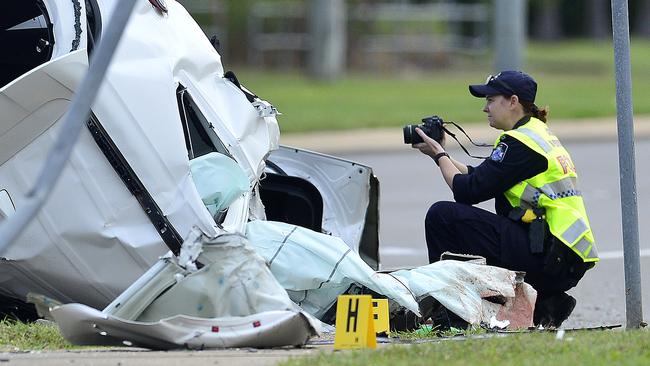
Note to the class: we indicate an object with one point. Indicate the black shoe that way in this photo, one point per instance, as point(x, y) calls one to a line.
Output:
point(552, 311)
point(444, 319)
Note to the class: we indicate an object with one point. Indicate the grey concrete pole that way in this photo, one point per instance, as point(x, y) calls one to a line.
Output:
point(509, 34)
point(625, 123)
point(328, 38)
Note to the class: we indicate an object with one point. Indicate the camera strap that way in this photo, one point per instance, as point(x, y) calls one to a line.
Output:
point(453, 135)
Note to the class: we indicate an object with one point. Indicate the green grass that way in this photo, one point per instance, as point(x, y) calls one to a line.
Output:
point(17, 336)
point(582, 348)
point(429, 332)
point(586, 348)
point(576, 80)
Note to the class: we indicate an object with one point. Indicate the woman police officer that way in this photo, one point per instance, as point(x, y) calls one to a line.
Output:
point(540, 226)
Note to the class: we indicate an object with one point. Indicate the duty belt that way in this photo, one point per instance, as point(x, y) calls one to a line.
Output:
point(537, 229)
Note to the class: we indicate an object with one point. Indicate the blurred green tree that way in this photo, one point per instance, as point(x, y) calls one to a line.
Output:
point(640, 19)
point(545, 20)
point(599, 19)
point(237, 23)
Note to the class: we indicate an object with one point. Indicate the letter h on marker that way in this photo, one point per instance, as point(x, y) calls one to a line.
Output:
point(353, 314)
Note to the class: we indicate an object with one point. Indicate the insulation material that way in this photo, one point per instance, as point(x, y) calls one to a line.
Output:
point(474, 292)
point(315, 268)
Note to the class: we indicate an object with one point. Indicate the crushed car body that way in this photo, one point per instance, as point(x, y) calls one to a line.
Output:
point(165, 102)
point(177, 199)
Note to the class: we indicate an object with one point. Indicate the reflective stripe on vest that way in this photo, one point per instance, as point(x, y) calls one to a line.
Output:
point(554, 190)
point(573, 232)
point(537, 138)
point(561, 187)
point(583, 245)
point(565, 187)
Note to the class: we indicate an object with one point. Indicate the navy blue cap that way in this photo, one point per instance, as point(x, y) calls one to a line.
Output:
point(507, 83)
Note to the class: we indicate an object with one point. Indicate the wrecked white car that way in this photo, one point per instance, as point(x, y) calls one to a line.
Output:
point(178, 213)
point(128, 194)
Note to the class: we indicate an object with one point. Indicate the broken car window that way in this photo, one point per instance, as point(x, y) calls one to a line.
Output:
point(200, 139)
point(26, 36)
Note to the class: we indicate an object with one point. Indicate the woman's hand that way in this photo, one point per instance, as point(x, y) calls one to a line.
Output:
point(430, 146)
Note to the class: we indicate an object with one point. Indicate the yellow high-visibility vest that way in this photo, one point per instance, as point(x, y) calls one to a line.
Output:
point(555, 190)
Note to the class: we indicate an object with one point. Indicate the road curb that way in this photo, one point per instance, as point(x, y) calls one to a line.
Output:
point(390, 139)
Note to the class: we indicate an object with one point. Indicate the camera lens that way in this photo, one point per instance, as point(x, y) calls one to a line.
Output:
point(411, 136)
point(407, 134)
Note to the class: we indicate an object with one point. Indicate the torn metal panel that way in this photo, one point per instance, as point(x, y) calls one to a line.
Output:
point(233, 300)
point(231, 279)
point(35, 101)
point(83, 325)
point(348, 200)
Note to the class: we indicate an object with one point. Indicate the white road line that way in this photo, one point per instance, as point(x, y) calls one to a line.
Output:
point(618, 254)
point(411, 252)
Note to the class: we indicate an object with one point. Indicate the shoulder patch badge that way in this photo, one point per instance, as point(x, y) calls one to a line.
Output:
point(499, 152)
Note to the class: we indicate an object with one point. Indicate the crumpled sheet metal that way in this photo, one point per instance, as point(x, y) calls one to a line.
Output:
point(234, 281)
point(233, 300)
point(315, 268)
point(83, 325)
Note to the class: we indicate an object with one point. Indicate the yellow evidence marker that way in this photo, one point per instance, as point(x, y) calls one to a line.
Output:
point(355, 326)
point(380, 315)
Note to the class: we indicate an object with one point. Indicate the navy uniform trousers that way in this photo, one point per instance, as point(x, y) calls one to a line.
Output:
point(465, 229)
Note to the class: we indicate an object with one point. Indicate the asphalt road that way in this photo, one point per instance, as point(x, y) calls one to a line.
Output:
point(410, 182)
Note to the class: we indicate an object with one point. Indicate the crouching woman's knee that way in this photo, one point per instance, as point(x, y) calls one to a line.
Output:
point(439, 212)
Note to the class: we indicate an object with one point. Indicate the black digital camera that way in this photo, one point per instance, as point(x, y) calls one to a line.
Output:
point(431, 126)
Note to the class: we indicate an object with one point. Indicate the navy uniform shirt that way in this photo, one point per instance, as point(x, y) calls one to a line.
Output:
point(511, 162)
